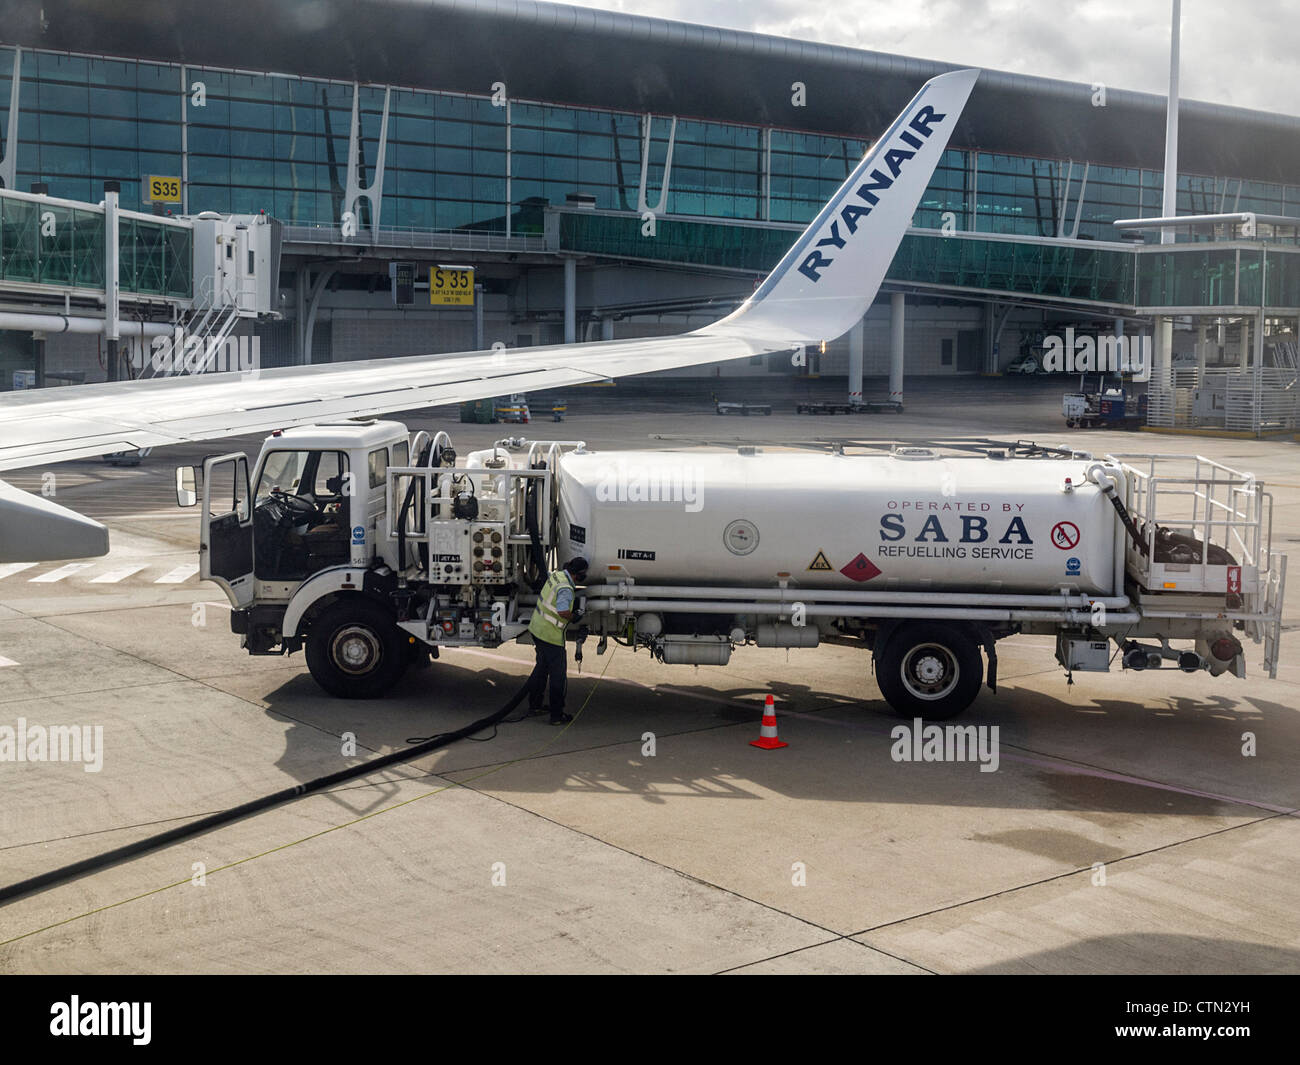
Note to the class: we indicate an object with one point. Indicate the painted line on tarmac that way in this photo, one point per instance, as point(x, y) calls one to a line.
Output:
point(10, 568)
point(58, 574)
point(115, 575)
point(179, 575)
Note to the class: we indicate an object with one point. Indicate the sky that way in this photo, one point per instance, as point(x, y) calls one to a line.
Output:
point(1245, 53)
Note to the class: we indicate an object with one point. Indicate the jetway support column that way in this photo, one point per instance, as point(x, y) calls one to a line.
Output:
point(38, 350)
point(1164, 353)
point(897, 303)
point(570, 300)
point(112, 282)
point(855, 362)
point(607, 329)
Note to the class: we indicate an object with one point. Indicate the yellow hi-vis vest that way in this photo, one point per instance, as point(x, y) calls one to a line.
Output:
point(546, 623)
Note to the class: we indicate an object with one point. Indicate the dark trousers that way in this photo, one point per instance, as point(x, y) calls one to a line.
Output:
point(551, 666)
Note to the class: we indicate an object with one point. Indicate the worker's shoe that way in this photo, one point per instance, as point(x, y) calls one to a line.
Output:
point(561, 718)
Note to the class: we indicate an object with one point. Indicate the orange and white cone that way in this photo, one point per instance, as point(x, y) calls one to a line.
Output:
point(767, 738)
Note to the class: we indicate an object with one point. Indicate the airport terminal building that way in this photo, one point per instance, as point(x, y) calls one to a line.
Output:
point(605, 175)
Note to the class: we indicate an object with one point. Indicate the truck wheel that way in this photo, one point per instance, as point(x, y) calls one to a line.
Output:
point(930, 670)
point(355, 650)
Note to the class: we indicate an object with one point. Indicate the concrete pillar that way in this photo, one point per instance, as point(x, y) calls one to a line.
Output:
point(855, 362)
point(1243, 356)
point(301, 355)
point(897, 303)
point(478, 317)
point(570, 300)
point(38, 350)
point(607, 329)
point(1163, 342)
point(112, 281)
point(1202, 342)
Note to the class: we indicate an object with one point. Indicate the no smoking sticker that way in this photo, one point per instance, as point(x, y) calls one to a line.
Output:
point(1065, 535)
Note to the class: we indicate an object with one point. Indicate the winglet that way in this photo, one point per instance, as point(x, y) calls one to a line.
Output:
point(829, 277)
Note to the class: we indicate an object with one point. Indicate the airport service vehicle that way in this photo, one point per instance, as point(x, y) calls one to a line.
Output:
point(1024, 364)
point(372, 549)
point(1107, 407)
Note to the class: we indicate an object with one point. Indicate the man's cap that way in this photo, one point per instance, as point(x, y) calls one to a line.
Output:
point(576, 565)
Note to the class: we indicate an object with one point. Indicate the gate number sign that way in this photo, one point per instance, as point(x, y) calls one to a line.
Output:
point(162, 189)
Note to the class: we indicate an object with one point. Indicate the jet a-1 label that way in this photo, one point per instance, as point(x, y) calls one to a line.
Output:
point(820, 563)
point(636, 555)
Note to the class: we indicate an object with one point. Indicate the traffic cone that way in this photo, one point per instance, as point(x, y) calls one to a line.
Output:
point(767, 738)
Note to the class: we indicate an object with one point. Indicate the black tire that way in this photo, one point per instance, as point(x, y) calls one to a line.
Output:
point(929, 669)
point(355, 650)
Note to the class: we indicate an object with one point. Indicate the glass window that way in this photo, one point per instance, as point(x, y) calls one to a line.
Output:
point(314, 474)
point(378, 463)
point(228, 492)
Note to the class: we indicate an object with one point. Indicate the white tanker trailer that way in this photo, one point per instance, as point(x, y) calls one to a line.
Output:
point(372, 549)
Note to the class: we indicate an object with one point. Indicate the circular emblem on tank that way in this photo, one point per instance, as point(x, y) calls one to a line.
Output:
point(740, 537)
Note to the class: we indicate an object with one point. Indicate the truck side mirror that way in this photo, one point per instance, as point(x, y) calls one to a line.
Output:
point(186, 480)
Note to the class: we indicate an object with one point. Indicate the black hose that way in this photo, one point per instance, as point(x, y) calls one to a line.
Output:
point(1126, 519)
point(534, 533)
point(237, 813)
point(422, 459)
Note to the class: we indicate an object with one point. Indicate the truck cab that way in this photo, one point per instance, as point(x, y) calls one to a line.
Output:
point(314, 501)
point(372, 549)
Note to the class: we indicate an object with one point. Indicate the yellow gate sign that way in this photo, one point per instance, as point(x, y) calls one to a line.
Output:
point(162, 189)
point(451, 286)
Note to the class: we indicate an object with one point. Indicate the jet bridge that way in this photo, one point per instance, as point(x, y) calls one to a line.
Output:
point(131, 278)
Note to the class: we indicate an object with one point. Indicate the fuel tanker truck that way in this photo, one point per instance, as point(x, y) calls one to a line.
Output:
point(372, 549)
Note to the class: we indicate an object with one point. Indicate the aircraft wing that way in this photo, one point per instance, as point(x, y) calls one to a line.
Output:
point(74, 422)
point(820, 288)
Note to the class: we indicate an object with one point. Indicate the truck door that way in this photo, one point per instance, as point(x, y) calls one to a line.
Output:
point(226, 531)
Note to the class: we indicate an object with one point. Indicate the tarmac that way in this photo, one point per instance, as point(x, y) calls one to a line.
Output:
point(1123, 831)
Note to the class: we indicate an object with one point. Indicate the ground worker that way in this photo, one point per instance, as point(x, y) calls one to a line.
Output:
point(554, 611)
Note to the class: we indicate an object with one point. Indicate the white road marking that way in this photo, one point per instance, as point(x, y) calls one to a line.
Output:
point(10, 568)
point(115, 575)
point(60, 573)
point(179, 575)
point(6, 662)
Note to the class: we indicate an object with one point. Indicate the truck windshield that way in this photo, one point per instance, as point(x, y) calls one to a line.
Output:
point(317, 474)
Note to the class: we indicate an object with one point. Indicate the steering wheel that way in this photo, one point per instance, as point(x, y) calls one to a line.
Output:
point(299, 506)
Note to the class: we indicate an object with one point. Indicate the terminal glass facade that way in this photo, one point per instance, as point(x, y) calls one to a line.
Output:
point(251, 142)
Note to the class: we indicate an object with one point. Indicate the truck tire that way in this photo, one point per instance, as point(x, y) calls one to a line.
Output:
point(355, 650)
point(929, 669)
